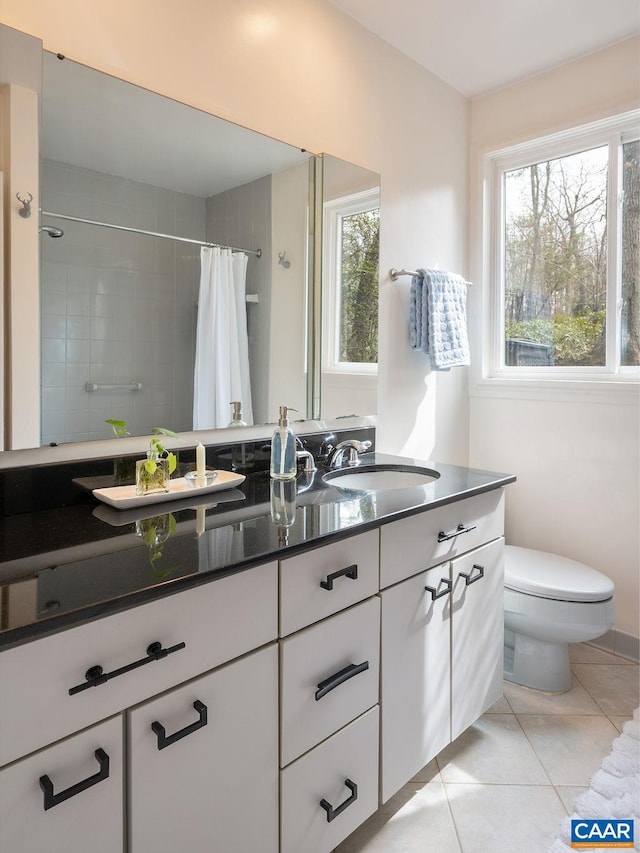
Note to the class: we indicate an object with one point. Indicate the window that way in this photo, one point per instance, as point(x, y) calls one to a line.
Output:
point(352, 226)
point(566, 255)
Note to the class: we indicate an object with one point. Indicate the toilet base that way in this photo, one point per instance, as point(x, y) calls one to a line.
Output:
point(536, 664)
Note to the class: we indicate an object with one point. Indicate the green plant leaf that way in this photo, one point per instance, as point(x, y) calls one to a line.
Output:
point(119, 427)
point(172, 463)
point(150, 466)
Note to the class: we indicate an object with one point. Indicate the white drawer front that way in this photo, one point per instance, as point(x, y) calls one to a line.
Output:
point(216, 622)
point(90, 819)
point(328, 661)
point(209, 776)
point(320, 775)
point(321, 582)
point(413, 544)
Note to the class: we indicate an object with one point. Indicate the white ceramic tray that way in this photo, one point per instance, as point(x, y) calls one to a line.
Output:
point(123, 517)
point(125, 497)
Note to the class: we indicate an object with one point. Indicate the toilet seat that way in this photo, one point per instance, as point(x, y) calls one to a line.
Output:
point(550, 576)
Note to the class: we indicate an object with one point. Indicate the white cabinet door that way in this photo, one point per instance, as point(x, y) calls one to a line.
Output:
point(66, 798)
point(204, 763)
point(415, 682)
point(477, 634)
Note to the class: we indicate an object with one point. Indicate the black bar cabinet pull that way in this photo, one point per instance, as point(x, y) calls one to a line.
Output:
point(339, 678)
point(95, 675)
point(333, 813)
point(161, 733)
point(434, 592)
point(350, 572)
point(51, 799)
point(444, 537)
point(468, 580)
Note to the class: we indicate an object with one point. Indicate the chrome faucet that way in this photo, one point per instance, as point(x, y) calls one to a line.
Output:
point(349, 450)
point(309, 461)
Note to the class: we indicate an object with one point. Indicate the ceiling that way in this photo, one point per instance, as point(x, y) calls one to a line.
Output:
point(479, 45)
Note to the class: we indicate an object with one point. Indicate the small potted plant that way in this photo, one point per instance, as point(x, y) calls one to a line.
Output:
point(154, 472)
point(124, 468)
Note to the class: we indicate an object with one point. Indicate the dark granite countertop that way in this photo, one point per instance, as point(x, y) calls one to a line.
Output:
point(63, 565)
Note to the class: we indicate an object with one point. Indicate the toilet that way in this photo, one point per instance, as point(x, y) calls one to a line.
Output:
point(549, 602)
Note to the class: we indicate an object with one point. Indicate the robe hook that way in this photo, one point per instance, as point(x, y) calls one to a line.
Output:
point(25, 213)
point(282, 260)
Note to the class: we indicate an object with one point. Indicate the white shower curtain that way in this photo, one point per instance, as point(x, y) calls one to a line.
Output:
point(221, 373)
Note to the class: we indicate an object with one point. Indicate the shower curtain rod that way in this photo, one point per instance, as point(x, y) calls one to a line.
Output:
point(256, 252)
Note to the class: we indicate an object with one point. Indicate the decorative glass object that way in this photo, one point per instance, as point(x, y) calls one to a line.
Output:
point(152, 475)
point(124, 470)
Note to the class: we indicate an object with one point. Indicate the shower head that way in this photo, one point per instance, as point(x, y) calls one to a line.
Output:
point(51, 231)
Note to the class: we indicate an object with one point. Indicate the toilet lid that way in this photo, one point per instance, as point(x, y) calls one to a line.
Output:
point(550, 576)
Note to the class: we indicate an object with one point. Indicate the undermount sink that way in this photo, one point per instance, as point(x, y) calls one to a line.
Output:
point(373, 478)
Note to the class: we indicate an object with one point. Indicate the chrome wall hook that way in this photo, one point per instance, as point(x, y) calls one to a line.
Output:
point(25, 213)
point(282, 260)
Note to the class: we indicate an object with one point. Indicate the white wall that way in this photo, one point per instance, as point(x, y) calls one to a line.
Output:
point(576, 456)
point(307, 74)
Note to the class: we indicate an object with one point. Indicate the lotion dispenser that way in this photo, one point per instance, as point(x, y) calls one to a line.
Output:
point(283, 448)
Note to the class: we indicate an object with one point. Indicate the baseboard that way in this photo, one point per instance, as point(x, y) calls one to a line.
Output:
point(619, 643)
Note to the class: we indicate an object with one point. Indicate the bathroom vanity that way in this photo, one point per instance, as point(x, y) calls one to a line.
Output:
point(256, 687)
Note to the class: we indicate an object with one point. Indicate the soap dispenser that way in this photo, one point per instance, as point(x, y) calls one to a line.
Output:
point(283, 448)
point(236, 420)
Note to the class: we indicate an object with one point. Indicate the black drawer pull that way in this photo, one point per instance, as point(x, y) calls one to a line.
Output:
point(161, 733)
point(439, 594)
point(444, 537)
point(468, 580)
point(350, 572)
point(331, 812)
point(51, 799)
point(95, 675)
point(339, 678)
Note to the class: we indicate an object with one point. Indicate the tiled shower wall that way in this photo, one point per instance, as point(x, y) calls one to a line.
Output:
point(117, 306)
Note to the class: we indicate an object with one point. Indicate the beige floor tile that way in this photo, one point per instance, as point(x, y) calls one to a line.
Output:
point(584, 653)
point(415, 820)
point(570, 748)
point(500, 707)
point(568, 794)
point(429, 773)
point(524, 700)
point(615, 688)
point(505, 818)
point(618, 722)
point(493, 750)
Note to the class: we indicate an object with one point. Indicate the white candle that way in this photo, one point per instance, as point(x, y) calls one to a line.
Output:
point(201, 512)
point(200, 460)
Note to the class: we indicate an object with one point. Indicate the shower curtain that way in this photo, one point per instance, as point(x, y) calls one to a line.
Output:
point(221, 373)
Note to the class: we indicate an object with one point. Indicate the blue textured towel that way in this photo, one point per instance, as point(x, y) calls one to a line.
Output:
point(438, 318)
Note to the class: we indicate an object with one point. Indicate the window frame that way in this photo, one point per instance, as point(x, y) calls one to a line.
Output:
point(613, 133)
point(334, 210)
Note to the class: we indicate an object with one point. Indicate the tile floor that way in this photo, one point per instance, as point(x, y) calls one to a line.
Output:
point(506, 783)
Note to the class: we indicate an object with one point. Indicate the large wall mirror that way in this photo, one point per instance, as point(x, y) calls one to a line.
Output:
point(130, 314)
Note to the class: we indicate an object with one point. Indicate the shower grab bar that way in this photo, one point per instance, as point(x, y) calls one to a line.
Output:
point(99, 386)
point(257, 252)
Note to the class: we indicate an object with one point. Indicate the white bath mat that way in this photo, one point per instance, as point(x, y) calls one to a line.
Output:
point(614, 791)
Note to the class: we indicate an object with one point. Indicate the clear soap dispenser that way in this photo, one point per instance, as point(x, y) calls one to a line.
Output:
point(283, 448)
point(236, 420)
